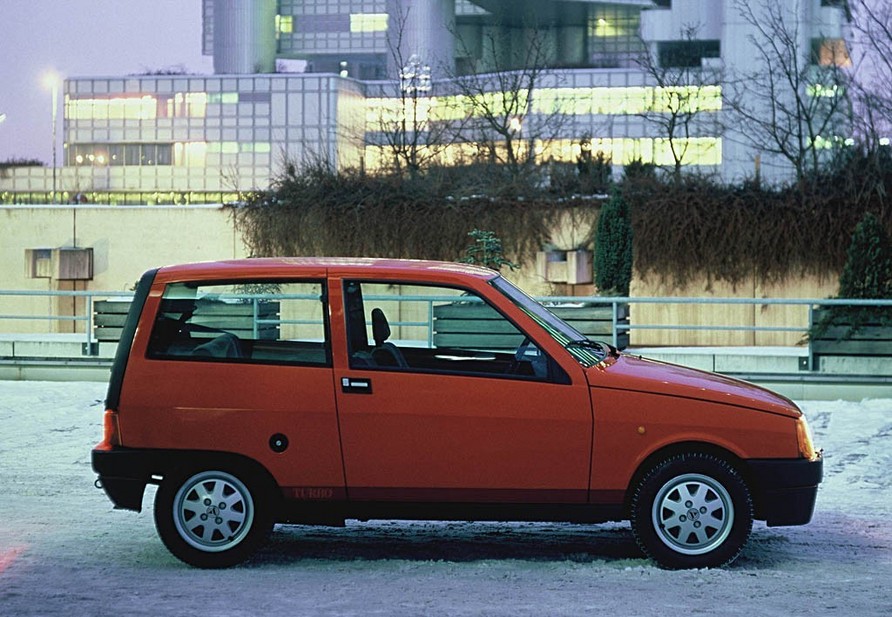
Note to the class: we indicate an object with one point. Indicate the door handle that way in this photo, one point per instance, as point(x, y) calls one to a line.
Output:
point(354, 385)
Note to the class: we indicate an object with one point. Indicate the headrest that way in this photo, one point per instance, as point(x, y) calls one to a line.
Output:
point(380, 327)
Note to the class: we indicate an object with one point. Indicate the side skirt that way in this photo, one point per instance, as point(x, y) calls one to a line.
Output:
point(335, 513)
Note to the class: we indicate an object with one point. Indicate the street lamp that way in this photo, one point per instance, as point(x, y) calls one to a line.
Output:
point(51, 80)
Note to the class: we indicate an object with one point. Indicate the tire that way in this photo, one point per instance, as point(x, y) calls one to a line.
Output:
point(692, 511)
point(213, 517)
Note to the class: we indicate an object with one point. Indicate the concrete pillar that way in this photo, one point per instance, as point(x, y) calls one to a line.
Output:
point(244, 36)
point(428, 31)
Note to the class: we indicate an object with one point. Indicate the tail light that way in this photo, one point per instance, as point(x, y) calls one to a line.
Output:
point(111, 430)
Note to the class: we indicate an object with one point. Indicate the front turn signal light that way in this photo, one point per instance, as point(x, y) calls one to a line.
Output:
point(804, 438)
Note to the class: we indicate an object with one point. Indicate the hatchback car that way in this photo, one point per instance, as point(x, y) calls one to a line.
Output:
point(310, 391)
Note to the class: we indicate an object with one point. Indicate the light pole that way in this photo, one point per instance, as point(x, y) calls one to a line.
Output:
point(51, 80)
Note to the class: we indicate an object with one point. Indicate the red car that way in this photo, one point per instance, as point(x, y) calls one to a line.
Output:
point(315, 390)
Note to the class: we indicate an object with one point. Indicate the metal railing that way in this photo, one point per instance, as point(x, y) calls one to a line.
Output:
point(85, 314)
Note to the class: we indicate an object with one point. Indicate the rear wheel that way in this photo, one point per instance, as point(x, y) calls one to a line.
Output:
point(692, 511)
point(214, 517)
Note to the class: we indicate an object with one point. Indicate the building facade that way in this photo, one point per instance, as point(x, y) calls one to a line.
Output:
point(614, 73)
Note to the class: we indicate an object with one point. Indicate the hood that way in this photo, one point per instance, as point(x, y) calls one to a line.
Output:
point(627, 372)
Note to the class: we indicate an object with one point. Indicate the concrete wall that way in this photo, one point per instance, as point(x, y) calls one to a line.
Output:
point(128, 240)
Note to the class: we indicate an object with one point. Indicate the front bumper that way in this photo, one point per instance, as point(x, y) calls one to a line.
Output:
point(785, 489)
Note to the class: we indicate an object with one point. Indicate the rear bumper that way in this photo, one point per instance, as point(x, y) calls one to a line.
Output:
point(785, 489)
point(123, 474)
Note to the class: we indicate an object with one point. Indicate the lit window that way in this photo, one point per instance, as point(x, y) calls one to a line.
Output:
point(116, 108)
point(102, 155)
point(830, 52)
point(190, 154)
point(284, 24)
point(225, 98)
point(822, 91)
point(368, 22)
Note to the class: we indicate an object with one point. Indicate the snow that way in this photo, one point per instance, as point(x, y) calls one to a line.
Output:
point(64, 551)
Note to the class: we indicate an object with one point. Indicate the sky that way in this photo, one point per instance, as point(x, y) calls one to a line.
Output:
point(83, 38)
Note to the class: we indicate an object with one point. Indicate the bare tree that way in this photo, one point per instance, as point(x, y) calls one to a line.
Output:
point(502, 116)
point(793, 104)
point(413, 127)
point(677, 109)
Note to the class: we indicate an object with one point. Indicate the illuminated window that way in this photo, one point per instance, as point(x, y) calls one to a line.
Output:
point(822, 91)
point(117, 155)
point(830, 52)
point(568, 101)
point(225, 98)
point(182, 105)
point(706, 151)
point(613, 39)
point(368, 22)
point(190, 154)
point(284, 24)
point(115, 108)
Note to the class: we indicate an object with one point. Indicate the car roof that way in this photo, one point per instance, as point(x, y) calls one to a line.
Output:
point(357, 267)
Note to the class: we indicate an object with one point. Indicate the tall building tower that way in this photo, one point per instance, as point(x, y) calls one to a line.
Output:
point(244, 38)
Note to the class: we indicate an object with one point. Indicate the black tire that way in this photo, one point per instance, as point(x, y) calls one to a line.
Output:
point(214, 516)
point(692, 511)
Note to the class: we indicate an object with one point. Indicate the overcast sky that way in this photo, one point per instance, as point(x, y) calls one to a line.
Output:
point(80, 38)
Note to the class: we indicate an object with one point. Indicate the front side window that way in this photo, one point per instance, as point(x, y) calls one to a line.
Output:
point(586, 352)
point(437, 329)
point(250, 321)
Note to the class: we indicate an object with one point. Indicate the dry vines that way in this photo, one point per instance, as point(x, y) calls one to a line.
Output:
point(683, 230)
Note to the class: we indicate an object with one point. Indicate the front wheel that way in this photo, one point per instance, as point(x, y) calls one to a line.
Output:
point(213, 518)
point(692, 511)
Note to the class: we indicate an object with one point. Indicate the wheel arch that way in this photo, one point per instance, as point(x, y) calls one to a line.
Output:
point(685, 447)
point(184, 462)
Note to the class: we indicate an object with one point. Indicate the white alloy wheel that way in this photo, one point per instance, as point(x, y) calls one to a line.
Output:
point(213, 511)
point(693, 514)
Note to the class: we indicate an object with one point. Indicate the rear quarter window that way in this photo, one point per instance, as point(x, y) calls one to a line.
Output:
point(254, 322)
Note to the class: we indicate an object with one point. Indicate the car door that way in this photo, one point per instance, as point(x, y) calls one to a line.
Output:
point(429, 413)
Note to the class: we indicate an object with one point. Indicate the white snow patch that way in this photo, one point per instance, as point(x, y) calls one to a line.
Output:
point(64, 551)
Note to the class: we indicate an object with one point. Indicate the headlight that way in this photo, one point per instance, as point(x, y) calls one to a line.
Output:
point(803, 436)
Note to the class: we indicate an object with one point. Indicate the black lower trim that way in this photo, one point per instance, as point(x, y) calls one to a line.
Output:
point(124, 473)
point(334, 513)
point(785, 490)
point(125, 493)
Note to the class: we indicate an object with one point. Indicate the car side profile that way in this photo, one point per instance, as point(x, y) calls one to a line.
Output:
point(315, 390)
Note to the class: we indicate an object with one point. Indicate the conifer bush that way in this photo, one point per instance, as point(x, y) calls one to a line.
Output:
point(613, 247)
point(866, 275)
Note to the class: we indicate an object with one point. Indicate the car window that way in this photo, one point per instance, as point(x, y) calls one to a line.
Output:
point(586, 352)
point(255, 321)
point(427, 328)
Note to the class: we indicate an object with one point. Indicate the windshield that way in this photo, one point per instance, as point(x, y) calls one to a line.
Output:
point(586, 352)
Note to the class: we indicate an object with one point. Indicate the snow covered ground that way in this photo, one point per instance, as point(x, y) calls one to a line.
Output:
point(64, 551)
